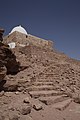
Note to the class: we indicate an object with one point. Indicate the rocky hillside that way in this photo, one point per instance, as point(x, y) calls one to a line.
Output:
point(43, 84)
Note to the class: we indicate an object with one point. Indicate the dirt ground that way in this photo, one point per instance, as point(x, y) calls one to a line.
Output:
point(46, 86)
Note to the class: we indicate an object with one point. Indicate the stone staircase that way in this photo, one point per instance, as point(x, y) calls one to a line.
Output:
point(43, 89)
point(43, 93)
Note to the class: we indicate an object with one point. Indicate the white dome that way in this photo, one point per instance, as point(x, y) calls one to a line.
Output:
point(19, 29)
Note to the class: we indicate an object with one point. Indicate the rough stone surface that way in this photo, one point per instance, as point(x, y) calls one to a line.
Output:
point(8, 59)
point(3, 72)
point(62, 105)
point(53, 99)
point(2, 117)
point(13, 117)
point(37, 106)
point(1, 34)
point(25, 118)
point(18, 37)
point(26, 100)
point(1, 93)
point(25, 110)
point(8, 65)
point(40, 67)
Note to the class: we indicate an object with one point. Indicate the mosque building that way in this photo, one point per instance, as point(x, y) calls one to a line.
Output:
point(18, 29)
point(18, 37)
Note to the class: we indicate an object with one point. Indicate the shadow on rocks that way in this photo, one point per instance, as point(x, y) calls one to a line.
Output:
point(2, 84)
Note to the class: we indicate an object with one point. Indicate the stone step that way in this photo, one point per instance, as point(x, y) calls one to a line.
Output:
point(36, 94)
point(62, 105)
point(42, 87)
point(45, 80)
point(42, 83)
point(53, 99)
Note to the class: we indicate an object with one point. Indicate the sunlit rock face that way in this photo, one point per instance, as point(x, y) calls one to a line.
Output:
point(19, 29)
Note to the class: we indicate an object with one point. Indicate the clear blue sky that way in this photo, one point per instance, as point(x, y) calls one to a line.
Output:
point(57, 20)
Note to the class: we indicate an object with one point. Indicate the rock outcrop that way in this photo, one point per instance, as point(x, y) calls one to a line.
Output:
point(1, 34)
point(8, 59)
point(8, 62)
point(3, 72)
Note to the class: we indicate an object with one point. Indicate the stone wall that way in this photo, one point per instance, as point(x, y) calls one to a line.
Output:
point(20, 38)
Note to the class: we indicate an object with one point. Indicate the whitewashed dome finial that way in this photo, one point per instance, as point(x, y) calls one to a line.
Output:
point(19, 29)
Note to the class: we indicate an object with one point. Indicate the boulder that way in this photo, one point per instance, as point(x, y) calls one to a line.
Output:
point(8, 59)
point(1, 93)
point(10, 86)
point(37, 106)
point(26, 100)
point(25, 110)
point(76, 97)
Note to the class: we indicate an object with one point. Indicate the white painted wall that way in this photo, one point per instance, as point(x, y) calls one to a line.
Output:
point(12, 45)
